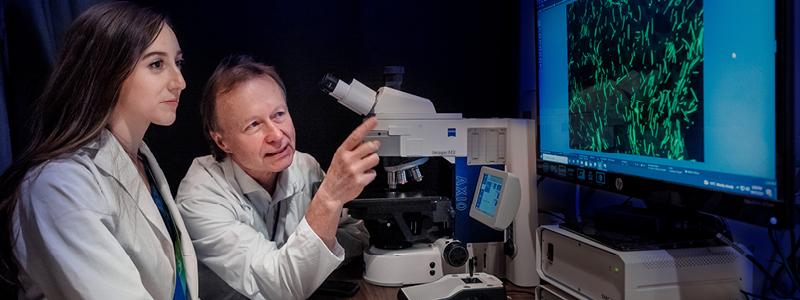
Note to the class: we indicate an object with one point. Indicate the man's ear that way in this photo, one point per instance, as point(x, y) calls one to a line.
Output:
point(219, 140)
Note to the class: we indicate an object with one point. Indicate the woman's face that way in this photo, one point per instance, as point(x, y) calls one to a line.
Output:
point(150, 94)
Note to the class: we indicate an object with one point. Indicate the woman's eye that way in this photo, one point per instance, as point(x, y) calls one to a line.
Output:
point(179, 63)
point(157, 64)
point(254, 124)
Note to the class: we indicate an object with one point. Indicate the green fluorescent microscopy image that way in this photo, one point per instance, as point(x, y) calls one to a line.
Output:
point(636, 77)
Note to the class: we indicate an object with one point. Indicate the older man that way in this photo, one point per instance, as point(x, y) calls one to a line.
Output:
point(251, 208)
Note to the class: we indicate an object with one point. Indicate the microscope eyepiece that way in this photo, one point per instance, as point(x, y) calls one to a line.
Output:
point(356, 96)
point(328, 83)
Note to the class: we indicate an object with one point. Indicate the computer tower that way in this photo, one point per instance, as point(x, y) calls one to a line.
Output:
point(587, 269)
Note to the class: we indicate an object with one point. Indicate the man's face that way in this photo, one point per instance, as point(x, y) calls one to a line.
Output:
point(255, 128)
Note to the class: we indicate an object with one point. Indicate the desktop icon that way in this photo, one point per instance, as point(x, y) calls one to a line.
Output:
point(601, 177)
point(562, 170)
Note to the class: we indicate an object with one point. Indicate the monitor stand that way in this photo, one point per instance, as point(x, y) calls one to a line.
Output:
point(628, 228)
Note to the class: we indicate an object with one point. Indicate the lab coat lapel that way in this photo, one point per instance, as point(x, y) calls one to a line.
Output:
point(186, 242)
point(290, 183)
point(112, 159)
point(228, 170)
point(166, 194)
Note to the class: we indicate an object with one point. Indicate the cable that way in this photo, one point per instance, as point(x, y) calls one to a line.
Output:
point(777, 289)
point(735, 246)
point(789, 263)
point(785, 263)
point(780, 292)
point(748, 295)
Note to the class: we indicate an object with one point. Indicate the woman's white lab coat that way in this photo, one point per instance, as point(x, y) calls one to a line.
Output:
point(89, 229)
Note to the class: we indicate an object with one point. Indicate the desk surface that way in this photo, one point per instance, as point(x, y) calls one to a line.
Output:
point(354, 270)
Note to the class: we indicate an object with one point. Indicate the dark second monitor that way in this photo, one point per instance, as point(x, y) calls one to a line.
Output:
point(684, 103)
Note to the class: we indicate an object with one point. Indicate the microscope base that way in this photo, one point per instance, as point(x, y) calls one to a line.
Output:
point(421, 263)
point(457, 286)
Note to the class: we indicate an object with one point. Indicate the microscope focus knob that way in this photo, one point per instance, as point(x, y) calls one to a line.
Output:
point(455, 254)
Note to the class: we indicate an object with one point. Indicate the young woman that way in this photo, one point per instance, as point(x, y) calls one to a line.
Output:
point(86, 210)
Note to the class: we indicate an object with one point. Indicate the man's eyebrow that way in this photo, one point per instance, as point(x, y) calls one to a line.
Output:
point(249, 119)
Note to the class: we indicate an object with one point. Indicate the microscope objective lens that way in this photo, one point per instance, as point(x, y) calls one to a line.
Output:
point(416, 174)
point(401, 177)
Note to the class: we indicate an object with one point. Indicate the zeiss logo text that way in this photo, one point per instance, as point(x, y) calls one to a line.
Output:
point(451, 132)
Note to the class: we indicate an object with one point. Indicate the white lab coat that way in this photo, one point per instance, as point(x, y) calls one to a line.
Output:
point(89, 229)
point(225, 211)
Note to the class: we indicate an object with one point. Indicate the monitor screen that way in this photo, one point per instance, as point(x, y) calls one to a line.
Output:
point(489, 194)
point(673, 101)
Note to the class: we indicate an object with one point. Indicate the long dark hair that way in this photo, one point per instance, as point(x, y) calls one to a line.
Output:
point(99, 51)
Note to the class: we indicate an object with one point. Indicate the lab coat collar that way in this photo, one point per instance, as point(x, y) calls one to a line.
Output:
point(288, 184)
point(112, 159)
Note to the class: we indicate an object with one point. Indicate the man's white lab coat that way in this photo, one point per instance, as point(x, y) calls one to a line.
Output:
point(88, 228)
point(260, 248)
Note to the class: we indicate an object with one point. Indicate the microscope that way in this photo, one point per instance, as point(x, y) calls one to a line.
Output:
point(418, 209)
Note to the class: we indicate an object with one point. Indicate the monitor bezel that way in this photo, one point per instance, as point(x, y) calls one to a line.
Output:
point(752, 210)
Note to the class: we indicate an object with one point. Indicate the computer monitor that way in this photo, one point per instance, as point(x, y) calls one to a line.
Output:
point(496, 199)
point(686, 103)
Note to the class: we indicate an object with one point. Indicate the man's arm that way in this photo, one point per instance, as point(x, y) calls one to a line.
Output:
point(350, 171)
point(241, 255)
point(250, 263)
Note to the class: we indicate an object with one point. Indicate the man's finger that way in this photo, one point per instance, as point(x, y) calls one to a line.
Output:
point(366, 149)
point(359, 133)
point(367, 163)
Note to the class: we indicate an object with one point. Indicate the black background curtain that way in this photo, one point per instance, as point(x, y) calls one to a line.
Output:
point(461, 55)
point(29, 35)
